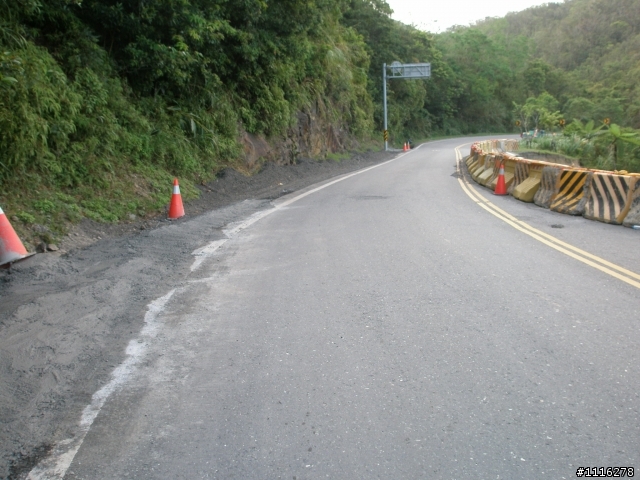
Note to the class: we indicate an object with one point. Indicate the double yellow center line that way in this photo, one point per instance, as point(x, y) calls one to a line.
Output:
point(594, 261)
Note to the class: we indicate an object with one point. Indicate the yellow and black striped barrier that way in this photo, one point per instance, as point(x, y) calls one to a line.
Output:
point(633, 217)
point(527, 190)
point(491, 171)
point(483, 164)
point(473, 159)
point(610, 197)
point(520, 175)
point(547, 189)
point(573, 192)
point(609, 200)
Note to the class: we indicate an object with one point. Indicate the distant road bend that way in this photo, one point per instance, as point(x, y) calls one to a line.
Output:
point(394, 323)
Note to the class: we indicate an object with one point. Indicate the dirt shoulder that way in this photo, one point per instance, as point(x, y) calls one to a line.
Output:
point(67, 317)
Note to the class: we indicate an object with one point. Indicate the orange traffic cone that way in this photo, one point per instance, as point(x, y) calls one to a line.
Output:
point(176, 210)
point(11, 248)
point(404, 149)
point(501, 187)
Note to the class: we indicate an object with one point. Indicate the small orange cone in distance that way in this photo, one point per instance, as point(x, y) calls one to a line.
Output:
point(11, 248)
point(501, 187)
point(176, 210)
point(404, 149)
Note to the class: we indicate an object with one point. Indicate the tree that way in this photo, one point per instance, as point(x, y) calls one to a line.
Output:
point(579, 108)
point(586, 131)
point(539, 111)
point(615, 135)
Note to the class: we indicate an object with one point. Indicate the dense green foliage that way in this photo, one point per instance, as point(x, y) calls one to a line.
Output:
point(103, 101)
point(607, 147)
point(167, 83)
point(587, 54)
point(571, 62)
point(415, 107)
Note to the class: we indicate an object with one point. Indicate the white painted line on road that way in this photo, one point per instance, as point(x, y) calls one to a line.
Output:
point(340, 179)
point(205, 252)
point(55, 466)
point(587, 258)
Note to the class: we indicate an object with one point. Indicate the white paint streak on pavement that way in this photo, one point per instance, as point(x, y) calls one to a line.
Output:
point(205, 252)
point(55, 466)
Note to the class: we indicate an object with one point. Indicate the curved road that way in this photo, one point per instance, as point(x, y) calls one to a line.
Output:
point(384, 326)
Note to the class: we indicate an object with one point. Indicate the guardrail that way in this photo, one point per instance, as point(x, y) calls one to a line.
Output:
point(609, 197)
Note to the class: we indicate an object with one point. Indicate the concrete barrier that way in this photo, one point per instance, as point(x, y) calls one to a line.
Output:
point(491, 172)
point(477, 163)
point(526, 190)
point(471, 159)
point(509, 173)
point(511, 145)
point(472, 162)
point(484, 163)
point(609, 197)
point(573, 191)
point(632, 219)
point(479, 168)
point(548, 184)
point(521, 172)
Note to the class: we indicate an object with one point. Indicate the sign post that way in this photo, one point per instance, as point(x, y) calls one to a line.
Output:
point(384, 95)
point(400, 70)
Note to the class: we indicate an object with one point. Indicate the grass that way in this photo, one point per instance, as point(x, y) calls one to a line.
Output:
point(45, 214)
point(337, 157)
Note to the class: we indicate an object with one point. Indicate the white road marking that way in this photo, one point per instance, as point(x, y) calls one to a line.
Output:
point(205, 252)
point(55, 466)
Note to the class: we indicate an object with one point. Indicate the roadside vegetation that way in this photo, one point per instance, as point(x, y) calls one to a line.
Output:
point(103, 102)
point(608, 147)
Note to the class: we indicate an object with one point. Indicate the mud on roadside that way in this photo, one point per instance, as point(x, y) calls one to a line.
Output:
point(66, 317)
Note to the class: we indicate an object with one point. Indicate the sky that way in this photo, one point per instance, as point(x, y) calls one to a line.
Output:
point(436, 16)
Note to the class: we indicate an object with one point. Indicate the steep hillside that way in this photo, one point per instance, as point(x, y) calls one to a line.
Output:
point(595, 43)
point(547, 66)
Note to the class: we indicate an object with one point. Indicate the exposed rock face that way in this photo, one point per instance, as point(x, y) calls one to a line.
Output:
point(254, 148)
point(311, 136)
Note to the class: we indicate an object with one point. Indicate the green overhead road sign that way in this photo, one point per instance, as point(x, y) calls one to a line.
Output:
point(401, 70)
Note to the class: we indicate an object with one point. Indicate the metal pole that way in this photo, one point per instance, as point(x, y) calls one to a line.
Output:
point(384, 96)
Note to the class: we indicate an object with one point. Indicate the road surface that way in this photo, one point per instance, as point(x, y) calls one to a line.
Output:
point(384, 325)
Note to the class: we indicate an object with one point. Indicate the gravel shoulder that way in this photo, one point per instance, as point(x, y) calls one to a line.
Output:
point(66, 317)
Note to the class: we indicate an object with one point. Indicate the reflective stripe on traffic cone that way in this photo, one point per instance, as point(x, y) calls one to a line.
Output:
point(11, 248)
point(501, 187)
point(176, 210)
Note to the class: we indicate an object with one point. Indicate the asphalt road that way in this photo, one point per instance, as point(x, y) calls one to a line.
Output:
point(385, 326)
